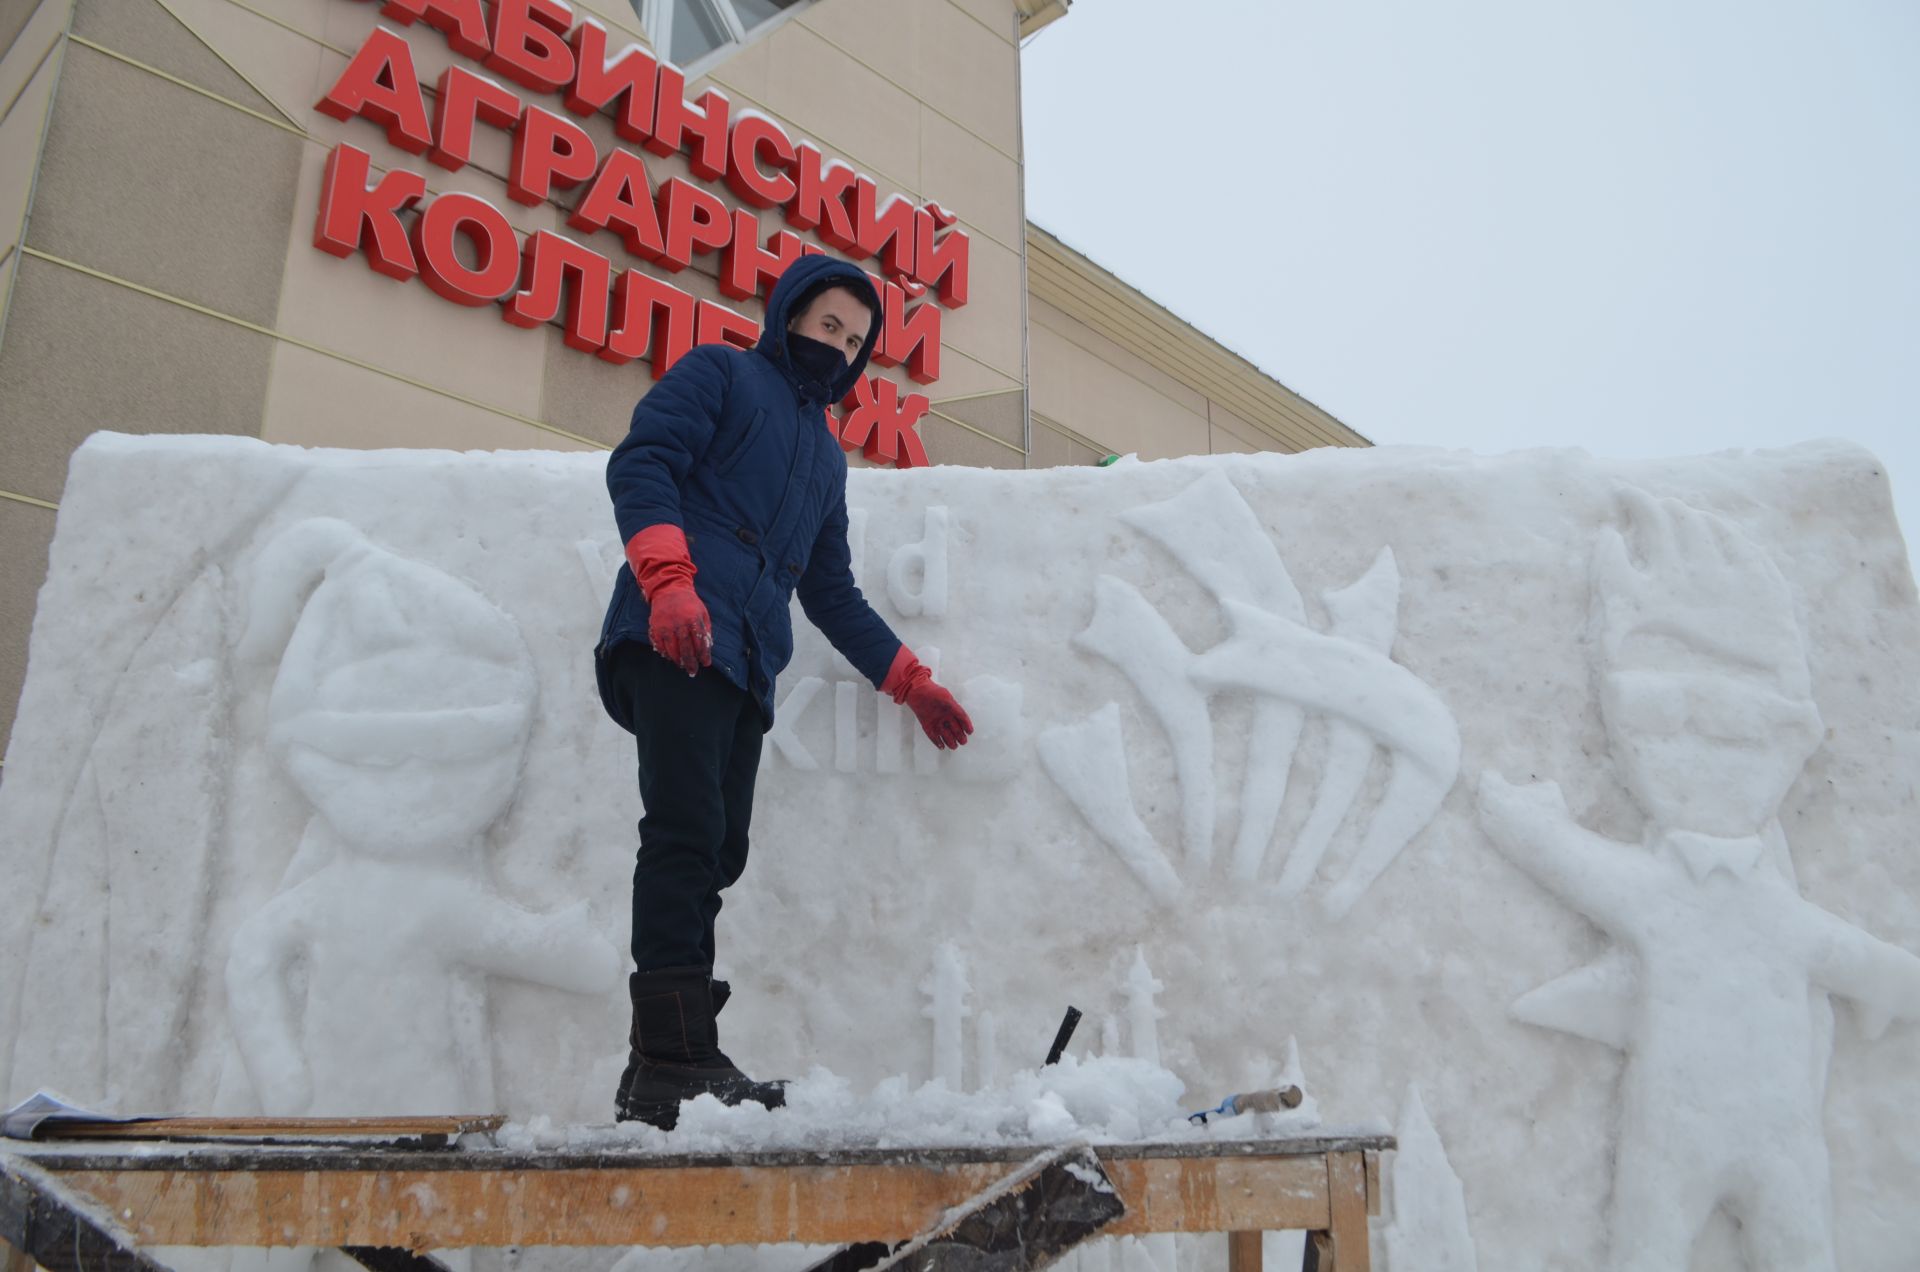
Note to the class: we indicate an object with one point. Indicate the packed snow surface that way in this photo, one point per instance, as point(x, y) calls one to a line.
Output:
point(1561, 806)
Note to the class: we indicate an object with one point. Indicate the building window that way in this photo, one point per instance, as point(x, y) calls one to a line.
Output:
point(695, 34)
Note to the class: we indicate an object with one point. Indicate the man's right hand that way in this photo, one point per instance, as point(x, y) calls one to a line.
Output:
point(681, 629)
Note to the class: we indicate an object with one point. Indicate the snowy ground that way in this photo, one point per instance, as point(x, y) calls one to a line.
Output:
point(1547, 804)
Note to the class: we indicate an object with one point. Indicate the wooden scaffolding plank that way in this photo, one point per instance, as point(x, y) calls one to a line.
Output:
point(635, 1205)
point(43, 1221)
point(249, 1128)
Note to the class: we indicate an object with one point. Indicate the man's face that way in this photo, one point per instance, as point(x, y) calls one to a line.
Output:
point(835, 317)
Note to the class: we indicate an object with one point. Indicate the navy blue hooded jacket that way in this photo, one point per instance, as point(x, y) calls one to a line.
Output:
point(730, 447)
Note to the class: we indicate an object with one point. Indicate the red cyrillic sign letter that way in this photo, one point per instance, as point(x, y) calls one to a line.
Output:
point(353, 216)
point(464, 98)
point(719, 325)
point(747, 269)
point(461, 21)
point(887, 232)
point(380, 84)
point(674, 117)
point(546, 264)
point(941, 265)
point(882, 426)
point(530, 45)
point(909, 336)
point(629, 79)
point(693, 219)
point(548, 150)
point(447, 218)
point(619, 198)
point(650, 316)
point(755, 134)
point(822, 183)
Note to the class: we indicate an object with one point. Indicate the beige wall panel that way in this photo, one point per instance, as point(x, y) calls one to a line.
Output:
point(1123, 361)
point(960, 376)
point(623, 25)
point(996, 15)
point(340, 304)
point(588, 395)
point(283, 65)
point(320, 401)
point(20, 134)
point(970, 179)
point(969, 73)
point(828, 94)
point(1225, 443)
point(142, 29)
point(1232, 426)
point(83, 355)
point(25, 531)
point(988, 326)
point(742, 76)
point(885, 34)
point(158, 185)
point(30, 46)
point(9, 258)
point(14, 17)
point(1050, 449)
point(1094, 399)
point(1002, 414)
point(1083, 456)
point(309, 16)
point(950, 444)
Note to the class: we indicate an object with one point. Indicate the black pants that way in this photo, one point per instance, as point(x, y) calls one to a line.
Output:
point(698, 739)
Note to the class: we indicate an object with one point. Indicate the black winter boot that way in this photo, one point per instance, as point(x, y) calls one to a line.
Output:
point(674, 1053)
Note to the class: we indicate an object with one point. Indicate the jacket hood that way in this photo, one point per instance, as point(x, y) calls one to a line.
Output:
point(801, 276)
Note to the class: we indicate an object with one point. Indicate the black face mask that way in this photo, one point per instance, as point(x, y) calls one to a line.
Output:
point(816, 364)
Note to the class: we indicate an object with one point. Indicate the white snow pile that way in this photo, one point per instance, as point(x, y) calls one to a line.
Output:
point(1103, 1100)
point(1575, 796)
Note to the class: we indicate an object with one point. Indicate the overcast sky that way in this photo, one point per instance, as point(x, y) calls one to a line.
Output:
point(1639, 228)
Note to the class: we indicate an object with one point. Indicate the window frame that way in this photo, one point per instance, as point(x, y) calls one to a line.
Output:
point(656, 17)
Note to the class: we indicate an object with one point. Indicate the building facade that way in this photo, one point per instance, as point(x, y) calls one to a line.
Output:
point(480, 224)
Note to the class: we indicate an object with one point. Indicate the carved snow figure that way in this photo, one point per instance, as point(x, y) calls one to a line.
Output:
point(1718, 997)
point(1289, 669)
point(401, 710)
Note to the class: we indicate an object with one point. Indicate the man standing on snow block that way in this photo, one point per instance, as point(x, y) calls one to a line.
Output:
point(730, 494)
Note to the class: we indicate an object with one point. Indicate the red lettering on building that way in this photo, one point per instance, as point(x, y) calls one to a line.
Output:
point(651, 317)
point(747, 269)
point(755, 135)
point(463, 100)
point(817, 199)
point(548, 150)
point(380, 84)
point(451, 217)
point(674, 118)
point(909, 336)
point(693, 221)
point(552, 265)
point(884, 231)
point(882, 425)
point(354, 216)
point(941, 263)
point(919, 252)
point(628, 79)
point(530, 43)
point(719, 325)
point(619, 199)
point(463, 22)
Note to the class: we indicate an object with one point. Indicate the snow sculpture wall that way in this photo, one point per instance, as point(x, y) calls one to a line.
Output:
point(1547, 803)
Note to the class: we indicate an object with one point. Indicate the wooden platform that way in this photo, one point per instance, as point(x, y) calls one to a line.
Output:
point(401, 1199)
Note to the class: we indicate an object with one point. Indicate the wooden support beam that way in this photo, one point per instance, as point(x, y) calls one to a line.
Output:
point(1246, 1251)
point(46, 1222)
point(14, 1259)
point(688, 1205)
point(1342, 1245)
point(1023, 1222)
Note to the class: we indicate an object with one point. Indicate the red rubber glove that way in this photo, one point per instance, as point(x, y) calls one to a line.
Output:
point(910, 684)
point(680, 628)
